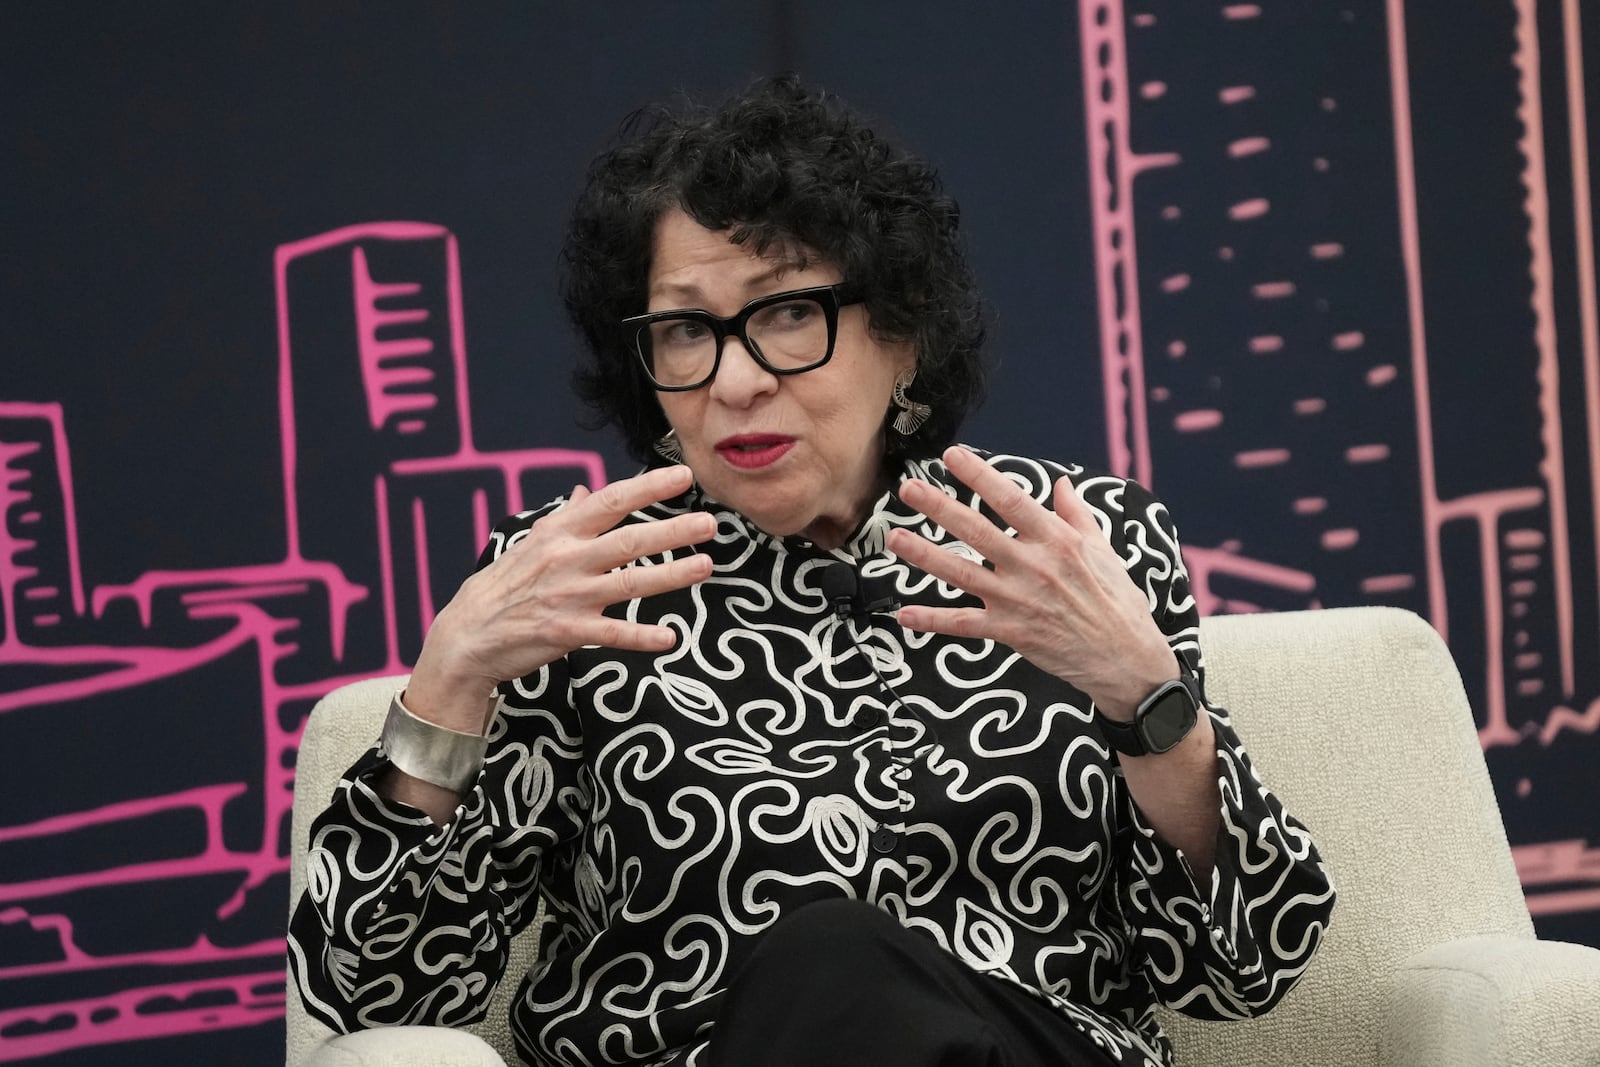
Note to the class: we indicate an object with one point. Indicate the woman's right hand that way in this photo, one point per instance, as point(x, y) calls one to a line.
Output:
point(547, 592)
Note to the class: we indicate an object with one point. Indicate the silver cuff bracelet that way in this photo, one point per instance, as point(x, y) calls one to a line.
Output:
point(447, 758)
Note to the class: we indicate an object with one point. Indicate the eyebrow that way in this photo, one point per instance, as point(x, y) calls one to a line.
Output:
point(688, 291)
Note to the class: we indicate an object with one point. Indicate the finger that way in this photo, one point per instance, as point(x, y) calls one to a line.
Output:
point(956, 622)
point(1008, 499)
point(641, 540)
point(1072, 510)
point(599, 511)
point(965, 522)
point(943, 564)
point(608, 632)
point(638, 582)
point(579, 491)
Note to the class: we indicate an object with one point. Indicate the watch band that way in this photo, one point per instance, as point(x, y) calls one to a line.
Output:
point(1121, 736)
point(1128, 737)
point(437, 754)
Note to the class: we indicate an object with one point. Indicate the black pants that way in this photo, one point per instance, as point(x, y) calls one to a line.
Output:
point(840, 982)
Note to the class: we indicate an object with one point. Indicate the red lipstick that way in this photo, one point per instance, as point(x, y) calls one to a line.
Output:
point(749, 451)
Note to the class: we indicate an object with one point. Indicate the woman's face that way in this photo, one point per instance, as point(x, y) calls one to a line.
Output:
point(798, 453)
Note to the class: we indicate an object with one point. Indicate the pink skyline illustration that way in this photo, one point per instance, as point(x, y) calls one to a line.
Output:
point(389, 368)
point(410, 359)
point(1521, 531)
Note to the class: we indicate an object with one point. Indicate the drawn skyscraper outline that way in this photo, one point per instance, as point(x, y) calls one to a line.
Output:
point(1512, 553)
point(51, 617)
point(245, 598)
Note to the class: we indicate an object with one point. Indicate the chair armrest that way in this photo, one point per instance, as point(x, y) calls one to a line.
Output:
point(406, 1046)
point(1494, 1000)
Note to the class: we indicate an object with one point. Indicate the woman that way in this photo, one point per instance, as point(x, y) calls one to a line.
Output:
point(824, 740)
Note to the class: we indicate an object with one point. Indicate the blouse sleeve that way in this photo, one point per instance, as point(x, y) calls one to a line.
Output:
point(1233, 947)
point(404, 921)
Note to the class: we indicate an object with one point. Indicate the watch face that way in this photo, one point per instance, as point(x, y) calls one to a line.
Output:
point(1168, 719)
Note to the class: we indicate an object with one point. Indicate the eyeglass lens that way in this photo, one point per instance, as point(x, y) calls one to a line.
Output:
point(790, 335)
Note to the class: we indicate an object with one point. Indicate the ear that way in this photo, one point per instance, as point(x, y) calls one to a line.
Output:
point(904, 357)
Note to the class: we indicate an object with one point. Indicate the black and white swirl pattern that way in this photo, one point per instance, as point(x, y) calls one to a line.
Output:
point(670, 807)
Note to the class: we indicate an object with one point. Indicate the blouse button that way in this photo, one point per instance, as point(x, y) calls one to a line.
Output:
point(867, 718)
point(884, 839)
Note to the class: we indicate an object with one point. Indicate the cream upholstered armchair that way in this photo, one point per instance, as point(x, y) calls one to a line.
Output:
point(1357, 718)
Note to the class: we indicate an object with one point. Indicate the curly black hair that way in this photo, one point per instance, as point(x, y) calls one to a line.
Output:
point(789, 172)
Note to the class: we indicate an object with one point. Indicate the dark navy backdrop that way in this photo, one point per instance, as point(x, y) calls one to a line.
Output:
point(1323, 276)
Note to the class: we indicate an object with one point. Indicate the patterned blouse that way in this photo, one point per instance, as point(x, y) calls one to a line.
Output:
point(669, 807)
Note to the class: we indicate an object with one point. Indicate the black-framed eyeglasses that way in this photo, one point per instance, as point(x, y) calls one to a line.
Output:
point(787, 333)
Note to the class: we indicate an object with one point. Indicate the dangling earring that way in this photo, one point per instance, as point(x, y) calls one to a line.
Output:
point(911, 415)
point(669, 448)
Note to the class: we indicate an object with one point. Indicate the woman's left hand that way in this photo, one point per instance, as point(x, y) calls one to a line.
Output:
point(1058, 594)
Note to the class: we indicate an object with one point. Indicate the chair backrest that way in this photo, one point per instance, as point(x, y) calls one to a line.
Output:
point(342, 726)
point(1355, 716)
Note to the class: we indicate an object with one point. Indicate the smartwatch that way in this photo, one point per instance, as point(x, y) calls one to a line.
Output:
point(1162, 719)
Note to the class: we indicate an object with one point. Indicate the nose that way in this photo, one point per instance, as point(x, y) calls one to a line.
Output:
point(740, 379)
